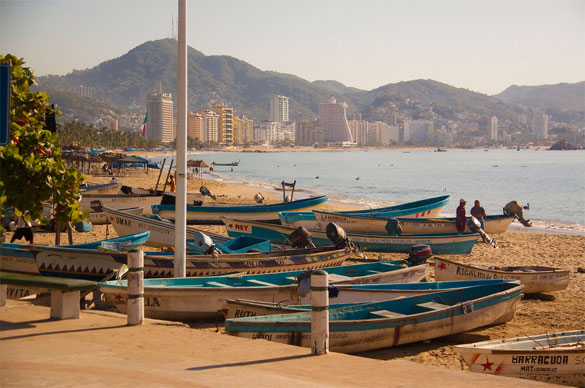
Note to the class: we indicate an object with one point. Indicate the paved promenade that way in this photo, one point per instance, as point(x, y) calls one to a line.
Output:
point(99, 350)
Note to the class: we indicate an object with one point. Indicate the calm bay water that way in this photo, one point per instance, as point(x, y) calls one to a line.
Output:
point(551, 182)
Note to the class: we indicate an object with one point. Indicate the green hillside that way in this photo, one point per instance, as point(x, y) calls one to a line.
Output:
point(559, 96)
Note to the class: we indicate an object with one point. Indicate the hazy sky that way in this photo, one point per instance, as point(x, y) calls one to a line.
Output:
point(481, 45)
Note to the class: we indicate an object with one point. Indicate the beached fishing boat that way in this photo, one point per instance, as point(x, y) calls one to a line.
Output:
point(425, 208)
point(439, 243)
point(210, 213)
point(100, 218)
point(120, 201)
point(535, 279)
point(99, 188)
point(199, 297)
point(344, 295)
point(377, 325)
point(94, 265)
point(556, 358)
point(19, 258)
point(493, 224)
point(162, 232)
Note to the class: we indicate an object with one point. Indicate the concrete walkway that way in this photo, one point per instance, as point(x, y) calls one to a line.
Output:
point(99, 350)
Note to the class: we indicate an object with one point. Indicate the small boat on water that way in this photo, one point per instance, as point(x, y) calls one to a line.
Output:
point(373, 224)
point(535, 279)
point(556, 358)
point(211, 213)
point(439, 243)
point(232, 164)
point(199, 297)
point(425, 208)
point(369, 326)
point(344, 295)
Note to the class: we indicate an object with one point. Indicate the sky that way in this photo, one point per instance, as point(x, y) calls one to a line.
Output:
point(480, 45)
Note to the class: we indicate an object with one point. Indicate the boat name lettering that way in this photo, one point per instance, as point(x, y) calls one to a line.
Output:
point(482, 275)
point(244, 228)
point(244, 313)
point(123, 221)
point(151, 302)
point(12, 292)
point(540, 360)
point(532, 368)
point(262, 336)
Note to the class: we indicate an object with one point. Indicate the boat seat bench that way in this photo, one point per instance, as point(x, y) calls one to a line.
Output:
point(385, 314)
point(216, 284)
point(65, 293)
point(433, 305)
point(260, 282)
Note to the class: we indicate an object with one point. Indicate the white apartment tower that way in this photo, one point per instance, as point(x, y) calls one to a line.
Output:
point(493, 130)
point(279, 109)
point(333, 119)
point(540, 125)
point(161, 124)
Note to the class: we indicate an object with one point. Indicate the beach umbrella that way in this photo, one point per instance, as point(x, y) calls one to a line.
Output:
point(198, 163)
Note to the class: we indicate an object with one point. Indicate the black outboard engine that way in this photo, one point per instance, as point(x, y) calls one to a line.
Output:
point(475, 227)
point(393, 227)
point(205, 191)
point(514, 208)
point(337, 235)
point(301, 238)
point(204, 244)
point(419, 254)
point(97, 206)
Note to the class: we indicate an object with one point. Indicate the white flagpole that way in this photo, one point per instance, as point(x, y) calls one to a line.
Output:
point(181, 166)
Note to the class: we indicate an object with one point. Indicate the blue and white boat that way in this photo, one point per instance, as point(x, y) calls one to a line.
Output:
point(461, 243)
point(377, 325)
point(199, 297)
point(210, 213)
point(344, 295)
point(424, 208)
point(19, 258)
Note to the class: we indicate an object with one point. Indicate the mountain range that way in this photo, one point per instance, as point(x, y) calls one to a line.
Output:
point(123, 83)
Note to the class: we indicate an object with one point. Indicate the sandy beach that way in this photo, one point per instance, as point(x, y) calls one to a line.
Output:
point(536, 314)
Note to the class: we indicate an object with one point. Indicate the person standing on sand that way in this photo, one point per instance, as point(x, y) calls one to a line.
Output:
point(172, 183)
point(461, 218)
point(478, 212)
point(23, 229)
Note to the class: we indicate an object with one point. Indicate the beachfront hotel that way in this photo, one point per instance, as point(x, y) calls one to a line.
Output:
point(159, 110)
point(226, 124)
point(279, 109)
point(333, 119)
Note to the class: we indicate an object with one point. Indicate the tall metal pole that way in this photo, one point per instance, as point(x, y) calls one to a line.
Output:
point(181, 166)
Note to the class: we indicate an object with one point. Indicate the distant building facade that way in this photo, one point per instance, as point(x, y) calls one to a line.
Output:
point(540, 125)
point(209, 126)
point(308, 133)
point(333, 119)
point(194, 121)
point(226, 124)
point(161, 124)
point(243, 131)
point(279, 109)
point(493, 128)
point(359, 130)
point(417, 130)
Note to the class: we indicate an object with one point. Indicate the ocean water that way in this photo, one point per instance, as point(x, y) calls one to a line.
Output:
point(551, 183)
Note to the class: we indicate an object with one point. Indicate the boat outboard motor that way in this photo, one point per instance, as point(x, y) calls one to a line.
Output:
point(301, 238)
point(419, 254)
point(393, 227)
point(514, 208)
point(475, 227)
point(204, 244)
point(205, 191)
point(337, 235)
point(97, 206)
point(259, 198)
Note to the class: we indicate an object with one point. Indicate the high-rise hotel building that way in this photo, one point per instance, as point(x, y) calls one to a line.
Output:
point(279, 109)
point(332, 117)
point(160, 123)
point(226, 124)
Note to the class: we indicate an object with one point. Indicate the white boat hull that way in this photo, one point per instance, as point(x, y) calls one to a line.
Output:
point(121, 201)
point(558, 364)
point(533, 282)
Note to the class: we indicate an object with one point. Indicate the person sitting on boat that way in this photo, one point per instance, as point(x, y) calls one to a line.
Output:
point(461, 218)
point(478, 212)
